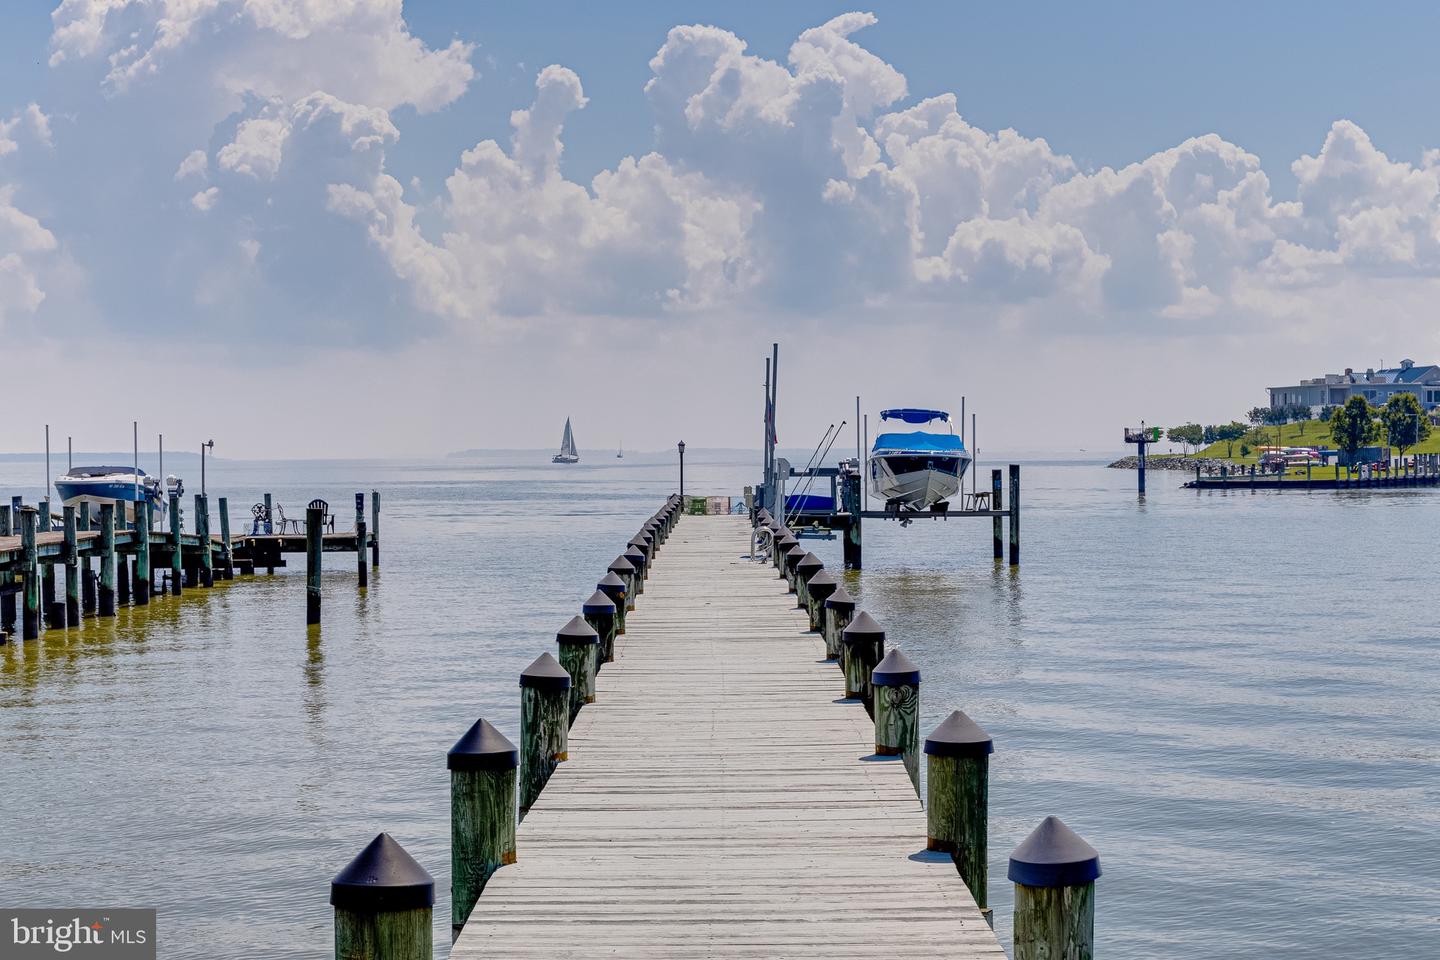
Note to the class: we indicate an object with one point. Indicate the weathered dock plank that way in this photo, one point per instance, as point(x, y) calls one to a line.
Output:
point(720, 800)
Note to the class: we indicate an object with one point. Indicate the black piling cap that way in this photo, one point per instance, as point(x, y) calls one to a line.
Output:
point(862, 628)
point(577, 631)
point(895, 670)
point(483, 748)
point(786, 540)
point(621, 565)
point(637, 541)
point(795, 552)
point(611, 579)
point(959, 736)
point(635, 555)
point(840, 599)
point(545, 674)
point(822, 584)
point(1054, 856)
point(382, 878)
point(600, 601)
point(810, 563)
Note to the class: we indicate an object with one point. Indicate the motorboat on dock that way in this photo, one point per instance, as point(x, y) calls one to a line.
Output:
point(916, 470)
point(121, 486)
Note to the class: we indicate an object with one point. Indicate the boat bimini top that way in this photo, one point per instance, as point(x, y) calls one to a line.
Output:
point(915, 415)
point(919, 442)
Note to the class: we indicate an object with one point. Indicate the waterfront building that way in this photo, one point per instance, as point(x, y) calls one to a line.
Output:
point(1376, 386)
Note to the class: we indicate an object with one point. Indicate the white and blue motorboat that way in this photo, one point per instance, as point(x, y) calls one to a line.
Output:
point(121, 486)
point(916, 470)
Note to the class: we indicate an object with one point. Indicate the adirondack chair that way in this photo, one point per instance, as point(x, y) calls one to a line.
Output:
point(327, 518)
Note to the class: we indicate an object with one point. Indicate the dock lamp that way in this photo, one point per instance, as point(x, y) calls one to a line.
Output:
point(211, 445)
point(681, 447)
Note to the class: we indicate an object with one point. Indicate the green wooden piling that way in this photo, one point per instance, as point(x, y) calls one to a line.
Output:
point(362, 572)
point(30, 576)
point(1054, 872)
point(374, 528)
point(177, 559)
point(957, 800)
point(269, 518)
point(784, 540)
point(384, 905)
point(636, 556)
point(839, 608)
point(818, 589)
point(863, 646)
point(579, 650)
point(89, 603)
point(544, 725)
point(805, 568)
point(1014, 514)
point(896, 685)
point(122, 575)
point(314, 547)
point(52, 610)
point(483, 766)
point(202, 533)
point(227, 552)
point(599, 612)
point(793, 556)
point(625, 570)
point(997, 528)
point(613, 586)
point(107, 560)
point(143, 574)
point(72, 567)
point(7, 600)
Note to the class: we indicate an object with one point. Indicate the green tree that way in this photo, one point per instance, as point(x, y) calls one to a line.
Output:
point(1229, 433)
point(1258, 415)
point(1353, 425)
point(1187, 435)
point(1404, 421)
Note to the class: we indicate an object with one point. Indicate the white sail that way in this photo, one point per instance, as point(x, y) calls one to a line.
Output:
point(568, 453)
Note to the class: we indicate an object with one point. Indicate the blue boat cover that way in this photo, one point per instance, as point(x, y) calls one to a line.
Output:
point(809, 501)
point(914, 415)
point(918, 441)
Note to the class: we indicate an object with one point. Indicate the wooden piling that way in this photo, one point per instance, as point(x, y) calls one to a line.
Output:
point(7, 599)
point(122, 574)
point(839, 608)
point(202, 533)
point(643, 544)
point(314, 550)
point(579, 650)
point(544, 725)
point(72, 567)
point(1014, 514)
point(896, 685)
point(862, 646)
point(362, 572)
point(784, 541)
point(107, 560)
point(997, 528)
point(625, 570)
point(384, 905)
point(52, 610)
point(636, 556)
point(177, 560)
point(1054, 873)
point(227, 552)
point(374, 528)
point(793, 556)
point(88, 601)
point(269, 518)
point(483, 766)
point(613, 586)
point(599, 612)
point(30, 576)
point(805, 568)
point(818, 589)
point(143, 573)
point(957, 795)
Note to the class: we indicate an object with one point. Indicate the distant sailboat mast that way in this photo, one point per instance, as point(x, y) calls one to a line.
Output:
point(568, 453)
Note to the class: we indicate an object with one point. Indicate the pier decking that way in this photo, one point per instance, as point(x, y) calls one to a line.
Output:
point(720, 798)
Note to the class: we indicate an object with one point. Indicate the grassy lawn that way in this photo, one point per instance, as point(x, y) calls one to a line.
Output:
point(1310, 433)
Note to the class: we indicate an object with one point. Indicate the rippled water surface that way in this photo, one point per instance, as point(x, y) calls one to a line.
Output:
point(1233, 696)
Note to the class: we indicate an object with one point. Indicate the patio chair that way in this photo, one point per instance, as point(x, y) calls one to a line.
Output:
point(327, 518)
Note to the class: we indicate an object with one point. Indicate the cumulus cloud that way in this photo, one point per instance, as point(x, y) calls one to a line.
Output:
point(27, 247)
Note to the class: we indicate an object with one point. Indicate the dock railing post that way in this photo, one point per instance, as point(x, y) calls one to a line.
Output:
point(30, 576)
point(177, 559)
point(483, 766)
point(227, 553)
point(72, 566)
point(89, 603)
point(142, 553)
point(625, 570)
point(544, 725)
point(384, 905)
point(202, 532)
point(821, 587)
point(839, 608)
point(636, 556)
point(579, 647)
point(793, 556)
point(613, 586)
point(7, 599)
point(863, 645)
point(957, 799)
point(805, 568)
point(374, 528)
point(599, 612)
point(362, 572)
point(107, 560)
point(896, 685)
point(314, 550)
point(1054, 873)
point(1014, 514)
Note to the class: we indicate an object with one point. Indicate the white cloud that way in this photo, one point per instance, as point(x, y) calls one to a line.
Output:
point(195, 164)
point(205, 200)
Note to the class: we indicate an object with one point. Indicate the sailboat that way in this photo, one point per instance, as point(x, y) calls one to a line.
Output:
point(620, 454)
point(568, 453)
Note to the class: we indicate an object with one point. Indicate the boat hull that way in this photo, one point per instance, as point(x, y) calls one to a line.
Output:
point(101, 490)
point(896, 480)
point(564, 458)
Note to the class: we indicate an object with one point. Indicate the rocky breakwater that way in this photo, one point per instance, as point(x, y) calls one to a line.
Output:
point(1207, 465)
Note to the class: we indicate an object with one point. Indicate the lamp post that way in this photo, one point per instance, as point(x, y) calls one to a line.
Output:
point(211, 445)
point(681, 447)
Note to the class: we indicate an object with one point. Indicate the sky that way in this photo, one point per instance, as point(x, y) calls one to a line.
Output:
point(356, 228)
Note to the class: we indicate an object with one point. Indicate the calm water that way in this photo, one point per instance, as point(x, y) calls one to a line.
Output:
point(1234, 697)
